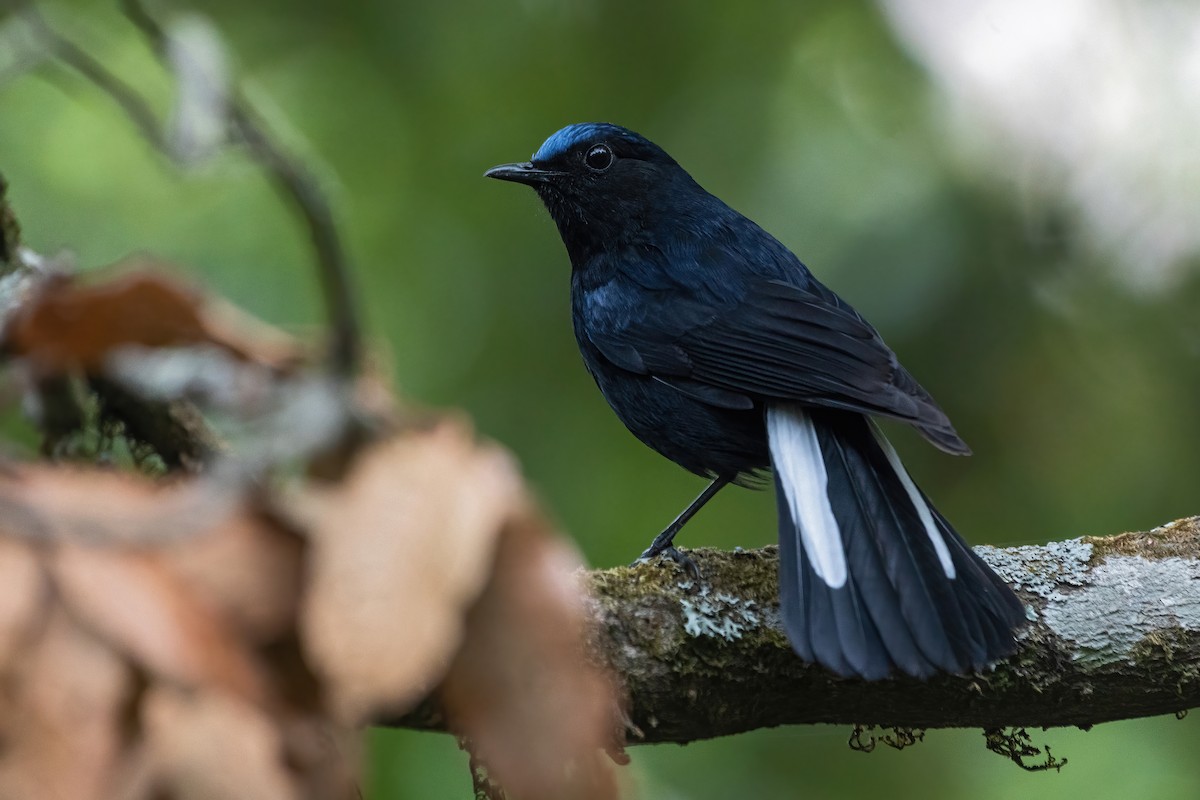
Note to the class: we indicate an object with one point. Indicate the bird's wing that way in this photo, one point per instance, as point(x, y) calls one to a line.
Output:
point(774, 342)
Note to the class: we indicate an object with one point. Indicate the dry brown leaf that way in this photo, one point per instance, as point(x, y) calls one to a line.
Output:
point(400, 550)
point(71, 324)
point(134, 601)
point(248, 569)
point(94, 506)
point(521, 691)
point(60, 716)
point(21, 581)
point(210, 746)
point(246, 335)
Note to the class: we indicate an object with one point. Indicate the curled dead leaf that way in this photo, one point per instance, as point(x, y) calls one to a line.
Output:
point(71, 324)
point(248, 569)
point(399, 550)
point(423, 551)
point(207, 745)
point(61, 714)
point(521, 691)
point(134, 601)
point(146, 672)
point(21, 579)
point(104, 507)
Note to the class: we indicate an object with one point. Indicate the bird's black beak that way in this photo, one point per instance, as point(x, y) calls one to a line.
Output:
point(525, 173)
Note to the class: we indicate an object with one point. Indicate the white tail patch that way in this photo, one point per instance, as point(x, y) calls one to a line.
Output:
point(935, 536)
point(796, 456)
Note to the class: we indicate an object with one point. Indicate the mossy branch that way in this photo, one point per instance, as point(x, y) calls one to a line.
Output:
point(1115, 635)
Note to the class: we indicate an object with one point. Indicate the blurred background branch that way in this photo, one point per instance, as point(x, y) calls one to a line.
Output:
point(175, 431)
point(196, 63)
point(299, 185)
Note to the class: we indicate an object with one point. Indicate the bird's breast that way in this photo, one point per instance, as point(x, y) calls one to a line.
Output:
point(701, 438)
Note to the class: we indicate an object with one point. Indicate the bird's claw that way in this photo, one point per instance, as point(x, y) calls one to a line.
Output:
point(670, 551)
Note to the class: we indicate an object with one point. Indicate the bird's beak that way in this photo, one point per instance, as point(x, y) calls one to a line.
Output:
point(525, 173)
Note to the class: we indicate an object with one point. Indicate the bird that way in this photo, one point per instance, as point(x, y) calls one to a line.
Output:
point(719, 349)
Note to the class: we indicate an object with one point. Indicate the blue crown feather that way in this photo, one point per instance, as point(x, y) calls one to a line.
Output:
point(623, 140)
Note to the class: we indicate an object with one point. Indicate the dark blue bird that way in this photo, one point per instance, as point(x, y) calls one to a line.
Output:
point(719, 349)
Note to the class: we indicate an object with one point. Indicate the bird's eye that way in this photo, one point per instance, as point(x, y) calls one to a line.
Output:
point(598, 158)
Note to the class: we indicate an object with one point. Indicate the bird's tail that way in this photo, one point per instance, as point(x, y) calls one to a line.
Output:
point(872, 578)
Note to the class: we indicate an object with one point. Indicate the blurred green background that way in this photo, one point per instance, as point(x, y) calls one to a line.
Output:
point(1078, 393)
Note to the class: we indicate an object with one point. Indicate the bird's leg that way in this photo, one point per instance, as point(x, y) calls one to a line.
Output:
point(662, 544)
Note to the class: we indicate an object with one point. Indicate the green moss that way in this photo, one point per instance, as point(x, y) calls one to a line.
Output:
point(1016, 745)
point(732, 610)
point(751, 575)
point(1178, 539)
point(1169, 650)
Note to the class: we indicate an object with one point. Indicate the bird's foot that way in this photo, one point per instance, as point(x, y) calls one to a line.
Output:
point(673, 553)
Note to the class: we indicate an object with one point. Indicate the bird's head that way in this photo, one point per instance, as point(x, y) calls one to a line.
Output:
point(601, 183)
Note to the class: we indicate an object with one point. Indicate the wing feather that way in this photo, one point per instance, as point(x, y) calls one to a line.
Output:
point(775, 342)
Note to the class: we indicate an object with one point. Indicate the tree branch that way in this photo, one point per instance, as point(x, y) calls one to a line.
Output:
point(1116, 634)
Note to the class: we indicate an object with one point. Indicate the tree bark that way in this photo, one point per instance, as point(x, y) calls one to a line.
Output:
point(1114, 634)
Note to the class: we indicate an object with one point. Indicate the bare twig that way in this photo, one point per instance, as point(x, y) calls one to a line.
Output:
point(10, 230)
point(133, 104)
point(297, 183)
point(291, 177)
